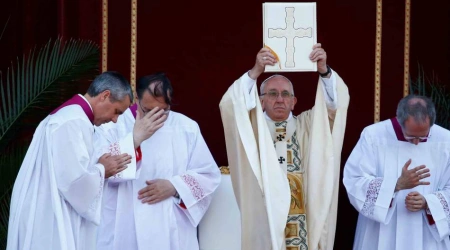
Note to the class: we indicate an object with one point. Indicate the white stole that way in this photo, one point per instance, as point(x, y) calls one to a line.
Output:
point(281, 133)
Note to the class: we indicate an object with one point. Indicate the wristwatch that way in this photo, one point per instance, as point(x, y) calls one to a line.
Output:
point(326, 73)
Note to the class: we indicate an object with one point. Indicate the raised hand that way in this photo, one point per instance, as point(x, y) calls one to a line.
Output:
point(156, 191)
point(263, 58)
point(320, 56)
point(412, 178)
point(415, 202)
point(146, 126)
point(114, 163)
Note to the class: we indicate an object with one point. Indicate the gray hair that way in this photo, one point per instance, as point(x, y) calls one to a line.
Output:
point(418, 107)
point(113, 81)
point(263, 84)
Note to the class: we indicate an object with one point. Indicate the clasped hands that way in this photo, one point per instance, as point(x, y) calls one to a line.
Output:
point(114, 164)
point(411, 178)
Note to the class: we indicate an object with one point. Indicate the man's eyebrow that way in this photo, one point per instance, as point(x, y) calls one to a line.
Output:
point(277, 90)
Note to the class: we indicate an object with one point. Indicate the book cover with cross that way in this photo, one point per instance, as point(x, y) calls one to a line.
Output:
point(289, 31)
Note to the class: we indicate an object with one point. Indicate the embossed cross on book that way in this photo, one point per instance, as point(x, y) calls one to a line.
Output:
point(290, 33)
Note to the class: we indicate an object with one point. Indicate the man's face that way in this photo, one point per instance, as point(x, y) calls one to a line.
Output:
point(106, 111)
point(149, 102)
point(277, 100)
point(416, 132)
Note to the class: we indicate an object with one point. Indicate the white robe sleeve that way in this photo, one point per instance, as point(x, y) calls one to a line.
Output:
point(371, 195)
point(199, 182)
point(79, 181)
point(329, 88)
point(248, 88)
point(438, 206)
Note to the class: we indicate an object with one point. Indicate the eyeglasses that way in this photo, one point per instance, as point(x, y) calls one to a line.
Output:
point(273, 95)
point(420, 138)
point(166, 110)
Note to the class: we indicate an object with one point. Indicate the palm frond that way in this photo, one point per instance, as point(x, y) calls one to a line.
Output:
point(29, 80)
point(438, 92)
point(4, 28)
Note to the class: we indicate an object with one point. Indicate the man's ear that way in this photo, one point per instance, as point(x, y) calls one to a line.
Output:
point(105, 95)
point(294, 101)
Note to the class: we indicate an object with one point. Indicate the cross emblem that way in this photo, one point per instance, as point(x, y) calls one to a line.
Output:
point(290, 33)
point(281, 159)
point(280, 137)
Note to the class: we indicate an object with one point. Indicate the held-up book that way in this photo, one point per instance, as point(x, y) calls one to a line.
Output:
point(290, 33)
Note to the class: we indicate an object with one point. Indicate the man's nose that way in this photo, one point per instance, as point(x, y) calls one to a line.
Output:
point(279, 98)
point(416, 141)
point(114, 119)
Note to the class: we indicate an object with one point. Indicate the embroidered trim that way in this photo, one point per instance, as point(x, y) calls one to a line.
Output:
point(97, 199)
point(371, 196)
point(194, 186)
point(114, 149)
point(203, 204)
point(296, 232)
point(444, 204)
point(281, 124)
point(294, 146)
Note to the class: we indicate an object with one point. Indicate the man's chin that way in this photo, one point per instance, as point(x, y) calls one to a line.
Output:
point(279, 117)
point(99, 123)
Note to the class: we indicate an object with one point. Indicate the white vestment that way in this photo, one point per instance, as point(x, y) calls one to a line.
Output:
point(57, 195)
point(260, 184)
point(176, 152)
point(370, 177)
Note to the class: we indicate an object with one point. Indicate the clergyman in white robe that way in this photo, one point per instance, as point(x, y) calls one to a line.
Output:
point(176, 152)
point(370, 177)
point(259, 181)
point(57, 195)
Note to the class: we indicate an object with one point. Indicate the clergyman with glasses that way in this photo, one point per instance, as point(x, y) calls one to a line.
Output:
point(398, 179)
point(175, 179)
point(285, 168)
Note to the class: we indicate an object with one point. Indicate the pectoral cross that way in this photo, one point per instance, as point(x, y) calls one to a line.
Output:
point(290, 33)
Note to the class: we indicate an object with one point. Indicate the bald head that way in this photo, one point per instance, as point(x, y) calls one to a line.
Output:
point(420, 108)
point(276, 79)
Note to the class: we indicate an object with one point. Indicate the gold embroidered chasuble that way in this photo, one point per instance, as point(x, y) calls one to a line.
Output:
point(289, 157)
point(262, 187)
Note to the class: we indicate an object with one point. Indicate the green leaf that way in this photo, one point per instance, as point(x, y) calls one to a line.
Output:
point(4, 28)
point(27, 82)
